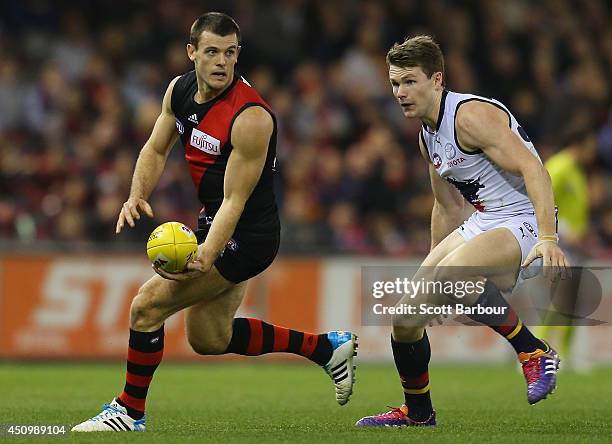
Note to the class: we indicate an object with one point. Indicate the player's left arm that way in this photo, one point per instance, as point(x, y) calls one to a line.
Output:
point(483, 126)
point(250, 138)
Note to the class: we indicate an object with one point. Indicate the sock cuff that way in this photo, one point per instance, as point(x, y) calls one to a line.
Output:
point(147, 342)
point(241, 331)
point(410, 347)
point(424, 337)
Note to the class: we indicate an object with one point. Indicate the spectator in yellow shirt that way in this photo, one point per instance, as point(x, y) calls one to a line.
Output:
point(568, 173)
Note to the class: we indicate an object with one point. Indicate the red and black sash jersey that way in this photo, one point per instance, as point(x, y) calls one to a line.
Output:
point(205, 132)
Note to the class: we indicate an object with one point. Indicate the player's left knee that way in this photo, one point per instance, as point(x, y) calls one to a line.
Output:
point(446, 272)
point(214, 342)
point(407, 334)
point(404, 323)
point(207, 348)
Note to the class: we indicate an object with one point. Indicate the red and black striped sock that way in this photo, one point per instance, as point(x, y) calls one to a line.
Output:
point(253, 337)
point(145, 352)
point(412, 363)
point(507, 323)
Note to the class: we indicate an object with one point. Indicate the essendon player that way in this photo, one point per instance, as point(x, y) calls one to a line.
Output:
point(229, 136)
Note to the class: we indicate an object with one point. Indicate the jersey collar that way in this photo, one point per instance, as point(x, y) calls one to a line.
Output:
point(440, 113)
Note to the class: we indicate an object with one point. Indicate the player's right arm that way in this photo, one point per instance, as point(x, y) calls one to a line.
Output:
point(150, 163)
point(448, 203)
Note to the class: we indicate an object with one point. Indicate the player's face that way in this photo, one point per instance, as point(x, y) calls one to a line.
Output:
point(215, 58)
point(414, 91)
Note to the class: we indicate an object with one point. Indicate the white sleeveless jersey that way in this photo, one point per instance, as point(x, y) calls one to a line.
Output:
point(484, 184)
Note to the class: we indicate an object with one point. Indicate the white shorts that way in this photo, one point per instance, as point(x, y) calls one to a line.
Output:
point(524, 227)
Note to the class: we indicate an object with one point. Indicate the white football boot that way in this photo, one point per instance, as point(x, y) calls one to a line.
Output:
point(112, 418)
point(340, 367)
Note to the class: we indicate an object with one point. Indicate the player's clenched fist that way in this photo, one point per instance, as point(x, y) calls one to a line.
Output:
point(130, 211)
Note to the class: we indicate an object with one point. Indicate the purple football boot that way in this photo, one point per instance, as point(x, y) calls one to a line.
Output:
point(540, 370)
point(396, 417)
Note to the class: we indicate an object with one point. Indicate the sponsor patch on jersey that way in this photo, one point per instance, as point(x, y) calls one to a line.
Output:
point(455, 162)
point(205, 142)
point(450, 151)
point(437, 160)
point(180, 127)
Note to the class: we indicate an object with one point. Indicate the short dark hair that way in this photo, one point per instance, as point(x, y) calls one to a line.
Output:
point(215, 22)
point(420, 50)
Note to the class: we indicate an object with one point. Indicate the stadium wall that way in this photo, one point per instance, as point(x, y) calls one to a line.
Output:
point(76, 307)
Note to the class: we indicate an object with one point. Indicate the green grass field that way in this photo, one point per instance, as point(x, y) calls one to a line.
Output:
point(211, 402)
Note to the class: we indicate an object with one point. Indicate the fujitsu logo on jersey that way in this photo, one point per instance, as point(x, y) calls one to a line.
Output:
point(205, 142)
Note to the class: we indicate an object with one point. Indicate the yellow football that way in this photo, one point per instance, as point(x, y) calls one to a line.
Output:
point(171, 246)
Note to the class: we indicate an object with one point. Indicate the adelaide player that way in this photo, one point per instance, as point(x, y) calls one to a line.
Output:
point(229, 136)
point(476, 151)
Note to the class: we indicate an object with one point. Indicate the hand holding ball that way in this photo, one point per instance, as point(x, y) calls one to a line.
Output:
point(171, 246)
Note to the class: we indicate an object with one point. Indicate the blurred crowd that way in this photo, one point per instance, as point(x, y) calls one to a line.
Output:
point(81, 86)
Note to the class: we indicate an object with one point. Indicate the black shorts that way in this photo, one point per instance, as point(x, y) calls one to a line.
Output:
point(245, 255)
